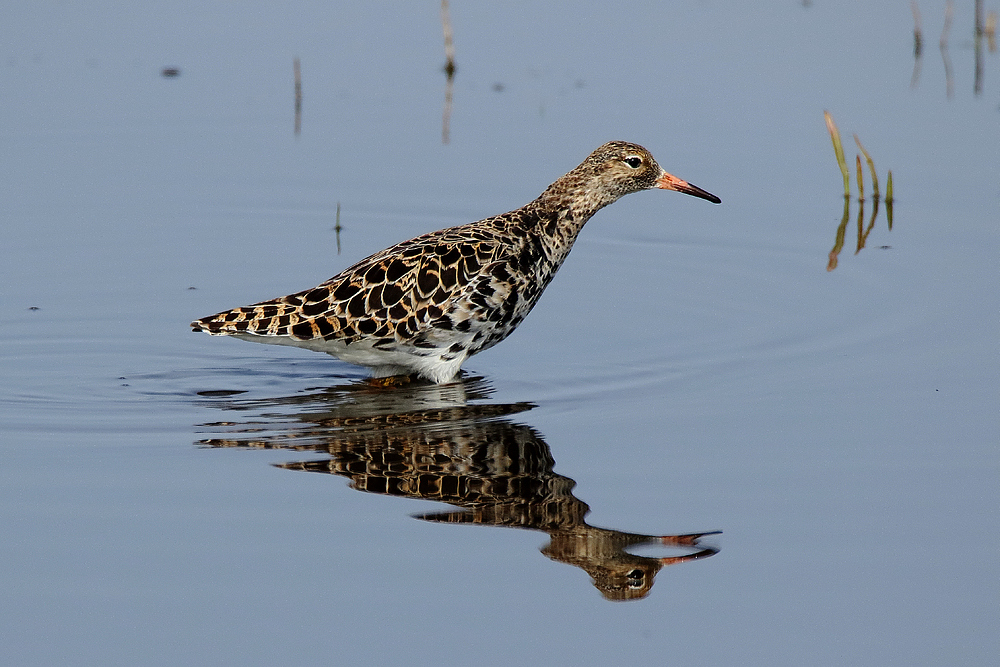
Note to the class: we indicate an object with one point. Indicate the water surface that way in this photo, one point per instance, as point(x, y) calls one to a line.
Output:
point(693, 368)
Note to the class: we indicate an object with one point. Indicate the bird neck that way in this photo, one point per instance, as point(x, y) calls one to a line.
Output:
point(578, 193)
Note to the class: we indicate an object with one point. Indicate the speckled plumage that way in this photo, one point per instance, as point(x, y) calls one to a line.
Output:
point(425, 305)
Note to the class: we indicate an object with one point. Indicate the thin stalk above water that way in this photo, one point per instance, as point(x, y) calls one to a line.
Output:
point(838, 149)
point(871, 167)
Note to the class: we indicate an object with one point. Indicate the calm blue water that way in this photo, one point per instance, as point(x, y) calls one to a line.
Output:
point(693, 368)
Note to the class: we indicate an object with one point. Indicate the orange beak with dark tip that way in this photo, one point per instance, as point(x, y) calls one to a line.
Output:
point(669, 182)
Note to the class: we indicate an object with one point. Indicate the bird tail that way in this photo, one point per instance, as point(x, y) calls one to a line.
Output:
point(269, 318)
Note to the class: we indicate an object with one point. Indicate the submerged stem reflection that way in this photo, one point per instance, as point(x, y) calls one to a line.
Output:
point(863, 232)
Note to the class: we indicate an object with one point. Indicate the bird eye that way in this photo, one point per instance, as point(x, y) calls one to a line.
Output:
point(633, 161)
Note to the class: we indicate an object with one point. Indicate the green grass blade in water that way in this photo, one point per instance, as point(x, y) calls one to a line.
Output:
point(838, 149)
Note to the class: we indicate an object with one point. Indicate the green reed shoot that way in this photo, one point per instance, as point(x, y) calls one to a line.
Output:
point(861, 180)
point(871, 166)
point(889, 199)
point(838, 149)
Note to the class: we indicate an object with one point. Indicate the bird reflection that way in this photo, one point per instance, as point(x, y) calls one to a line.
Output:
point(434, 443)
